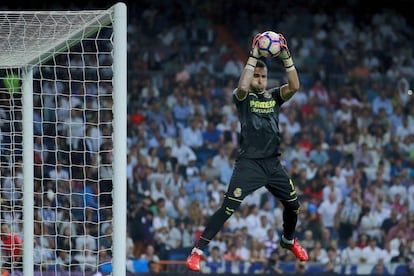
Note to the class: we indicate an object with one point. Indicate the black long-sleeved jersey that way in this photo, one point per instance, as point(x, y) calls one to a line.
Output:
point(259, 119)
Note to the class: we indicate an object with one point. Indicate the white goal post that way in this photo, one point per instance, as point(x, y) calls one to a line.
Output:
point(63, 129)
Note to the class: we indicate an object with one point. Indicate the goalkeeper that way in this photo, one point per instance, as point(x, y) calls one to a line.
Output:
point(258, 162)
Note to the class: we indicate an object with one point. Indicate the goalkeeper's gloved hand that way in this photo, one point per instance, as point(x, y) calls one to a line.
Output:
point(285, 54)
point(254, 48)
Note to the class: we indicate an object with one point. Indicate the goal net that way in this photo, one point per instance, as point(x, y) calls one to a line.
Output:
point(62, 141)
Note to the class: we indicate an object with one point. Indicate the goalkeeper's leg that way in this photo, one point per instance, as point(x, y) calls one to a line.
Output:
point(214, 224)
point(283, 188)
point(248, 176)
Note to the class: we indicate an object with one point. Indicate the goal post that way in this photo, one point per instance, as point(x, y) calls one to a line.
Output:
point(63, 102)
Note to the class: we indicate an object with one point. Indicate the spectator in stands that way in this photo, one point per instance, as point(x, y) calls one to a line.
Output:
point(192, 135)
point(403, 255)
point(226, 170)
point(318, 253)
point(48, 213)
point(160, 224)
point(184, 154)
point(300, 268)
point(187, 232)
point(335, 156)
point(12, 246)
point(382, 102)
point(344, 114)
point(308, 240)
point(333, 259)
point(401, 227)
point(215, 258)
point(410, 195)
point(157, 190)
point(64, 260)
point(105, 179)
point(221, 158)
point(183, 75)
point(152, 158)
point(241, 248)
point(404, 130)
point(59, 174)
point(192, 171)
point(233, 66)
point(398, 204)
point(232, 135)
point(170, 162)
point(363, 156)
point(397, 188)
point(382, 211)
point(181, 111)
point(212, 137)
point(319, 92)
point(305, 143)
point(105, 241)
point(380, 269)
point(311, 170)
point(293, 126)
point(319, 155)
point(169, 127)
point(216, 190)
point(312, 220)
point(363, 240)
point(196, 188)
point(314, 190)
point(261, 232)
point(151, 257)
point(86, 259)
point(365, 137)
point(327, 210)
point(351, 254)
point(85, 240)
point(174, 237)
point(329, 187)
point(347, 169)
point(140, 218)
point(253, 219)
point(174, 182)
point(211, 172)
point(388, 252)
point(257, 258)
point(349, 216)
point(370, 224)
point(237, 221)
point(270, 242)
point(299, 154)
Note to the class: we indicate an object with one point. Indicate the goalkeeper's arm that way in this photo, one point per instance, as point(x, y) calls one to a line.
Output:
point(247, 74)
point(289, 89)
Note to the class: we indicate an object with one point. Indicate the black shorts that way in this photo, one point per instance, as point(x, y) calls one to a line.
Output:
point(252, 174)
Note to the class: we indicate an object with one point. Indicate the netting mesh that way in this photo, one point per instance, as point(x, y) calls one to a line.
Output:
point(72, 121)
point(27, 37)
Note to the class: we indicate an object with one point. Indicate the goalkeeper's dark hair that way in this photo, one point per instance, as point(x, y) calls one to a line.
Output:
point(261, 64)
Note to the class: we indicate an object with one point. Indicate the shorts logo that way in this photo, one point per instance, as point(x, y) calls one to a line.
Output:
point(237, 192)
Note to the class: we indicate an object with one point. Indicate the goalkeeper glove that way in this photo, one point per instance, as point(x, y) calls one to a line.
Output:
point(285, 54)
point(254, 49)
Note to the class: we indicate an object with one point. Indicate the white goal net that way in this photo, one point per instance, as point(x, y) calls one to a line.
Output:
point(62, 141)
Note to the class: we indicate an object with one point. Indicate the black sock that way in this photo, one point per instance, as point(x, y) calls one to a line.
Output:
point(216, 222)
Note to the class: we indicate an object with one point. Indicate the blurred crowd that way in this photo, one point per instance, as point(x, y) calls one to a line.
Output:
point(348, 134)
point(348, 140)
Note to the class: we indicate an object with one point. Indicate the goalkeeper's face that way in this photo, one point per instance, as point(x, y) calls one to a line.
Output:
point(259, 81)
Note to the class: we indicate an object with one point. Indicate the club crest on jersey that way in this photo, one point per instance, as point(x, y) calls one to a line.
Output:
point(237, 192)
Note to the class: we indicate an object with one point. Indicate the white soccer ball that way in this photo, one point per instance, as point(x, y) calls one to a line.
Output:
point(269, 44)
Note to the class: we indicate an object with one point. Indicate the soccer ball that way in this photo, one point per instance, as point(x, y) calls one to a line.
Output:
point(269, 44)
